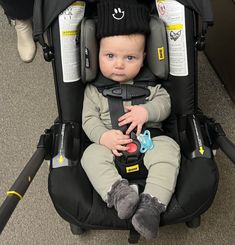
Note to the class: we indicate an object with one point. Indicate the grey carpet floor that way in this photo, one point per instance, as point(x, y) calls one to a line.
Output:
point(28, 106)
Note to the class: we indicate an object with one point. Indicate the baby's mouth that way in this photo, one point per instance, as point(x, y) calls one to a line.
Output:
point(117, 74)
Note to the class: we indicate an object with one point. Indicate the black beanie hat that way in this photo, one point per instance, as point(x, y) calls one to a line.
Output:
point(121, 17)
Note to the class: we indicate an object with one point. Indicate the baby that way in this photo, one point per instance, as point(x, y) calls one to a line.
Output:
point(122, 28)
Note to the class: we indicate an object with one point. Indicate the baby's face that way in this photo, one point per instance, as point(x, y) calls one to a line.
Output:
point(121, 57)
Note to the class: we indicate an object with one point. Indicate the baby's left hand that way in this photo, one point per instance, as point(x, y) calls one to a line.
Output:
point(136, 116)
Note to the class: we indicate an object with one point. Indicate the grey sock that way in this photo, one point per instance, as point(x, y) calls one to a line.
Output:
point(147, 217)
point(123, 198)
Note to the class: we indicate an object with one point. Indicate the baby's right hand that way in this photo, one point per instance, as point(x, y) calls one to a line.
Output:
point(115, 140)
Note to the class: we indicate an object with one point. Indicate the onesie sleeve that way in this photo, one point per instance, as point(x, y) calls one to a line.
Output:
point(91, 122)
point(158, 104)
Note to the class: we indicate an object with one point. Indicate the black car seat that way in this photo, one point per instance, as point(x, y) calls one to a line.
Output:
point(74, 62)
point(71, 192)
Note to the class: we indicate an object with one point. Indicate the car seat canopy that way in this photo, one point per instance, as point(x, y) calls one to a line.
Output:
point(46, 11)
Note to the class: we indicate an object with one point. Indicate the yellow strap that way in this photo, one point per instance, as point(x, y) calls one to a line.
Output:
point(14, 193)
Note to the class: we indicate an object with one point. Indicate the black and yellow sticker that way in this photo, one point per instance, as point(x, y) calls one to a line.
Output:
point(133, 168)
point(160, 53)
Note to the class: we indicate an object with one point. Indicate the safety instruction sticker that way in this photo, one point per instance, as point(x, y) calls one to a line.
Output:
point(69, 24)
point(173, 14)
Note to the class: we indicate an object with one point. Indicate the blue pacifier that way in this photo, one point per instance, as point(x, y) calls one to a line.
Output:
point(146, 142)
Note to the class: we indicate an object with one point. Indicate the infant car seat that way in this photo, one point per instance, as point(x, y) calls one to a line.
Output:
point(71, 192)
point(72, 48)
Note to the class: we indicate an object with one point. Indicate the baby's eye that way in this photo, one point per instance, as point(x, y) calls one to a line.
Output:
point(110, 56)
point(130, 57)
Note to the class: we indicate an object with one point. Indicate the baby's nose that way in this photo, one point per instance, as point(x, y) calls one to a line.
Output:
point(119, 64)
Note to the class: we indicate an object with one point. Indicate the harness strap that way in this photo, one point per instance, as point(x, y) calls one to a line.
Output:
point(130, 165)
point(123, 92)
point(116, 110)
point(142, 99)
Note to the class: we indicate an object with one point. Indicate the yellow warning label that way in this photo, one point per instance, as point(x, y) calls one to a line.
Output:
point(79, 3)
point(160, 53)
point(174, 27)
point(133, 168)
point(70, 33)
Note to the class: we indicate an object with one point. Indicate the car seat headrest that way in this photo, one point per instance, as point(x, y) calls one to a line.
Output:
point(89, 50)
point(156, 49)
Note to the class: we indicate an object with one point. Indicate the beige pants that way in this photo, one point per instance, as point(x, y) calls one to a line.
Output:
point(162, 163)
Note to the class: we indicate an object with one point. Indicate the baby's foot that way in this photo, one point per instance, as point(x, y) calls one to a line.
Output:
point(147, 217)
point(124, 199)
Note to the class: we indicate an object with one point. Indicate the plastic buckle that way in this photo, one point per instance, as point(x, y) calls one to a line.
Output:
point(45, 142)
point(48, 53)
point(133, 153)
point(126, 92)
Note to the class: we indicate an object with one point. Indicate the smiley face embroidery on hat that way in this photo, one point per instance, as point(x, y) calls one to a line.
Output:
point(118, 14)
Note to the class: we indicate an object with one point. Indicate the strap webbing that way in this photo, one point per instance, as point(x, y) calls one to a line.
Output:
point(116, 110)
point(138, 101)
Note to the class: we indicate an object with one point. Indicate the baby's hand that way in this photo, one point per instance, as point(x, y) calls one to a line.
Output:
point(136, 116)
point(115, 140)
